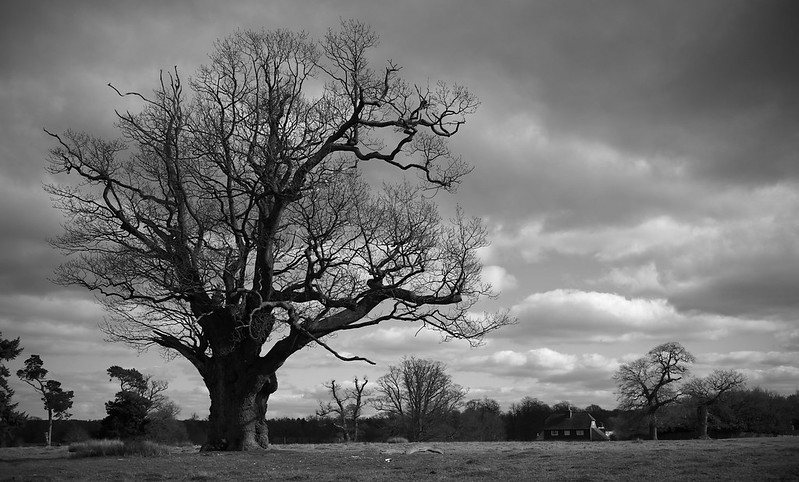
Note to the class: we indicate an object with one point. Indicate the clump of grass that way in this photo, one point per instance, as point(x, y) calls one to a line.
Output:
point(145, 448)
point(97, 448)
point(397, 440)
point(106, 448)
point(203, 475)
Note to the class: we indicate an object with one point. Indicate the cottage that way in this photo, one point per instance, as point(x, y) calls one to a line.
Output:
point(572, 425)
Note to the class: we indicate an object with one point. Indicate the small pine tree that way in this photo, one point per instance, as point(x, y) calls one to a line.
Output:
point(57, 402)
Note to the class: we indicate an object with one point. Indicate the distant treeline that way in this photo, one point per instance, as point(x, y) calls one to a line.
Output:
point(744, 413)
point(32, 431)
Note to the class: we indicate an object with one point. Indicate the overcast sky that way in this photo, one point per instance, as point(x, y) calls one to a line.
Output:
point(635, 163)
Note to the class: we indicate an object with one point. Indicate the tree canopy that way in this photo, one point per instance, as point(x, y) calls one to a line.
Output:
point(526, 418)
point(139, 402)
point(481, 420)
point(144, 386)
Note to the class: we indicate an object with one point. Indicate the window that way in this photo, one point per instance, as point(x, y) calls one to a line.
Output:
point(567, 432)
point(554, 433)
point(580, 432)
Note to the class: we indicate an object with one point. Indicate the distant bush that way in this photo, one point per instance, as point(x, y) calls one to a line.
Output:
point(104, 448)
point(76, 433)
point(629, 426)
point(167, 431)
point(197, 430)
point(64, 432)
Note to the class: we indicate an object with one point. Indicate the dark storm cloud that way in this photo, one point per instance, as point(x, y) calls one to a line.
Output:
point(710, 81)
point(569, 185)
point(746, 291)
point(26, 260)
point(706, 88)
point(698, 93)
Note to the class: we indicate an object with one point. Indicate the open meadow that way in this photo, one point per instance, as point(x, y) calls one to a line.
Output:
point(772, 458)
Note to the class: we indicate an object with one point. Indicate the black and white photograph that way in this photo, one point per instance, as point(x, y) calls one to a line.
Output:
point(409, 240)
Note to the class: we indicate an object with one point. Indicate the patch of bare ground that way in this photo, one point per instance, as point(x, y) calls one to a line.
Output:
point(774, 458)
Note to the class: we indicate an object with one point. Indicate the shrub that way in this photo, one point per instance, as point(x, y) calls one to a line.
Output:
point(76, 433)
point(127, 415)
point(630, 425)
point(166, 431)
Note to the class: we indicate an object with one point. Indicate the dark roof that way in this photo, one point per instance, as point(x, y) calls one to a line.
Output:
point(569, 421)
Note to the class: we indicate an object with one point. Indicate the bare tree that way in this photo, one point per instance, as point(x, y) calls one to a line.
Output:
point(707, 391)
point(420, 394)
point(57, 402)
point(230, 225)
point(346, 407)
point(650, 383)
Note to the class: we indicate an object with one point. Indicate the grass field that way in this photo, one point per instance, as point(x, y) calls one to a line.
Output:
point(732, 459)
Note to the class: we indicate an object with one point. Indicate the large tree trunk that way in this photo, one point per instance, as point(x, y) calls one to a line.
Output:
point(239, 381)
point(701, 419)
point(653, 426)
point(238, 408)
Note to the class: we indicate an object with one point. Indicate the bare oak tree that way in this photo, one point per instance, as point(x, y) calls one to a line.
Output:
point(707, 392)
point(229, 223)
point(346, 407)
point(650, 383)
point(419, 394)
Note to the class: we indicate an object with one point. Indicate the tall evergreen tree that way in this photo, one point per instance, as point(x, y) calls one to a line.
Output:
point(9, 417)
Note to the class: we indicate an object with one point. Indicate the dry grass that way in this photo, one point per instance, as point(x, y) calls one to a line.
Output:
point(735, 459)
point(97, 448)
point(104, 448)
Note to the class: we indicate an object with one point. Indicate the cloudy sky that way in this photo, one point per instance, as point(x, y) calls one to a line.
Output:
point(636, 163)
